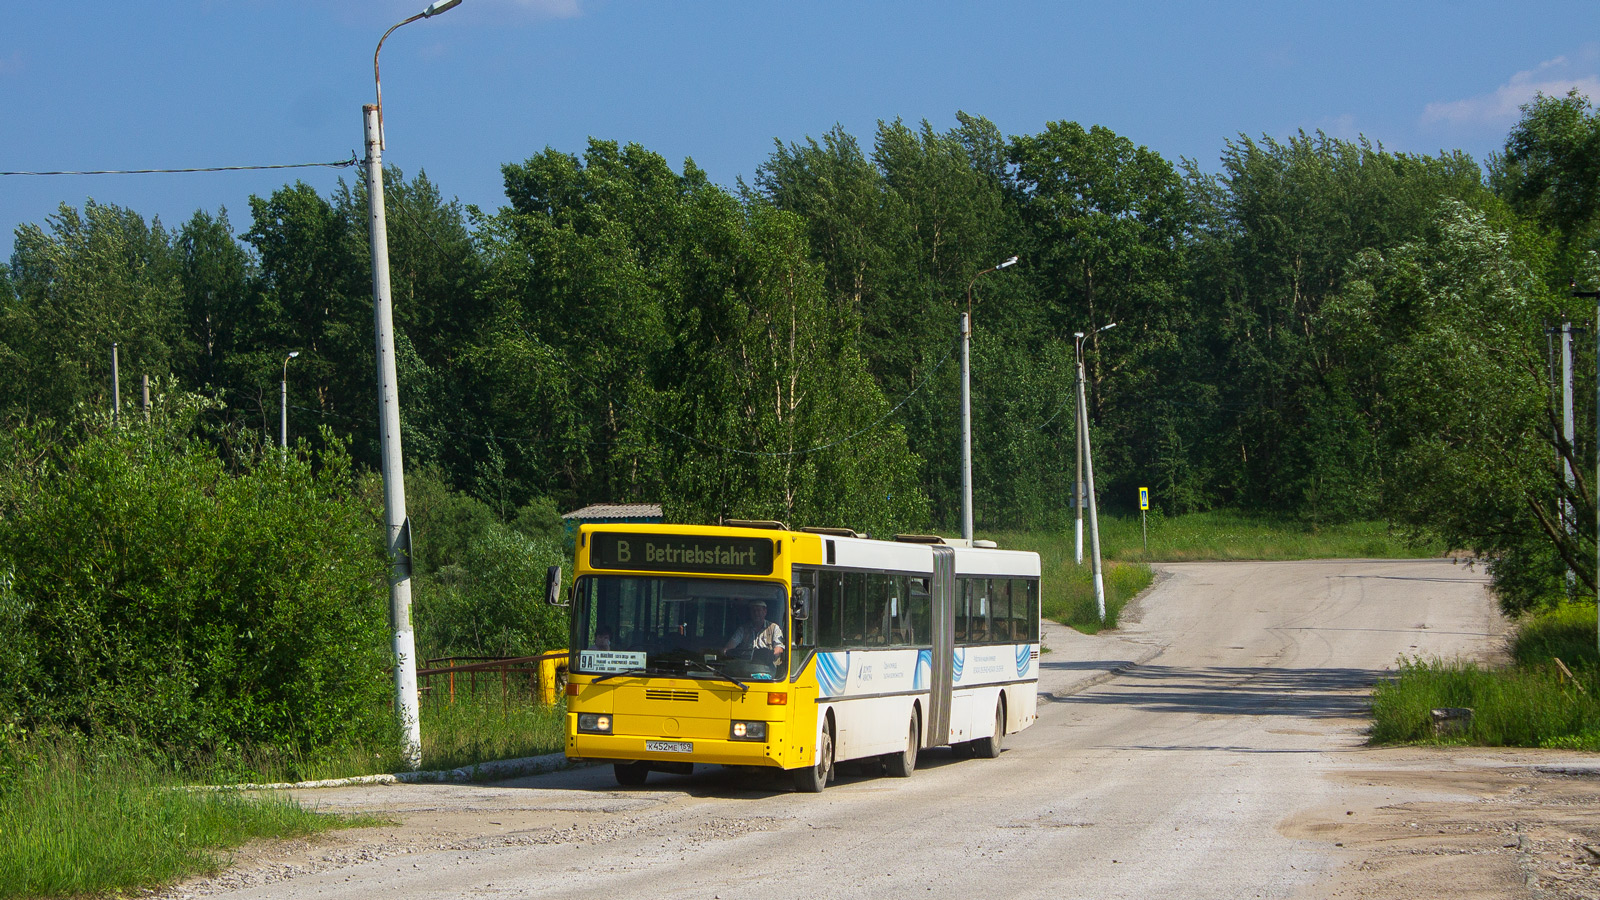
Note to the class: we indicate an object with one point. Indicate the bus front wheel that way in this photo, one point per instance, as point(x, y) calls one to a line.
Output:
point(812, 779)
point(631, 774)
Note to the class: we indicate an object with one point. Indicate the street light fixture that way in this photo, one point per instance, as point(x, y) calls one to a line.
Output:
point(966, 403)
point(1086, 467)
point(394, 487)
point(283, 405)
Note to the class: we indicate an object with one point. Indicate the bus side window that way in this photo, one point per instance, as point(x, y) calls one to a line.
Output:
point(899, 611)
point(919, 622)
point(1019, 611)
point(826, 615)
point(977, 605)
point(1000, 609)
point(1033, 609)
point(854, 619)
point(875, 624)
point(960, 603)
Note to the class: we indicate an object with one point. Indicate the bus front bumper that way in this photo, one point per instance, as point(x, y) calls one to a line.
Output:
point(639, 748)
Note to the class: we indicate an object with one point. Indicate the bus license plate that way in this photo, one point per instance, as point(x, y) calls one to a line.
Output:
point(669, 746)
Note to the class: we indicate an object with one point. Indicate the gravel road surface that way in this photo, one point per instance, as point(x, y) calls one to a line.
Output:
point(1213, 747)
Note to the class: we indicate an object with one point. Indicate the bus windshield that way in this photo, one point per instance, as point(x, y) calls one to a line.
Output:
point(714, 628)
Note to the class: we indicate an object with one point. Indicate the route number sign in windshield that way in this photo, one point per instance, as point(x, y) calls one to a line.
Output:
point(681, 553)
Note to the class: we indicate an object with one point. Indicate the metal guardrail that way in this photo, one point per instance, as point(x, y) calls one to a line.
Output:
point(543, 672)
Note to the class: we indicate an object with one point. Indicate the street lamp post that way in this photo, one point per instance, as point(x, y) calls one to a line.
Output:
point(966, 403)
point(283, 405)
point(394, 488)
point(1086, 468)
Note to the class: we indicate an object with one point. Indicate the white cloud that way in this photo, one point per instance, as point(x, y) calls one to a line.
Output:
point(1553, 78)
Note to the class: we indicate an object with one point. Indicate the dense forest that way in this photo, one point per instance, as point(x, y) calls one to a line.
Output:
point(1317, 329)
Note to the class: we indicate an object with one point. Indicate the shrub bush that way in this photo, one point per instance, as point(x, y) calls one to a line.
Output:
point(149, 589)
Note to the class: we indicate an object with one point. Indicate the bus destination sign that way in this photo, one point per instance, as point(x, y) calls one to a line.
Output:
point(681, 553)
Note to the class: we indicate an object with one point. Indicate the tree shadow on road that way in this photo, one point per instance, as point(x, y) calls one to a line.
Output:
point(1331, 693)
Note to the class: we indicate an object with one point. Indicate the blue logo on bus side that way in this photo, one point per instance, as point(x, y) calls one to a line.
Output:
point(958, 663)
point(1024, 656)
point(833, 670)
point(924, 675)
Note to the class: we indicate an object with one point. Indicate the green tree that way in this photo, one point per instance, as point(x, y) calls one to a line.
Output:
point(217, 278)
point(314, 291)
point(1293, 422)
point(1550, 172)
point(1106, 221)
point(1457, 317)
point(96, 277)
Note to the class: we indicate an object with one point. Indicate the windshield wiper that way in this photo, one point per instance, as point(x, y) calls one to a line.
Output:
point(718, 671)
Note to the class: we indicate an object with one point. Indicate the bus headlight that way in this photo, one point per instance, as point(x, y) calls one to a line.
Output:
point(749, 731)
point(593, 724)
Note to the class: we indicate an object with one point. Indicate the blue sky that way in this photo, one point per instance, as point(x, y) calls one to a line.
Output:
point(181, 83)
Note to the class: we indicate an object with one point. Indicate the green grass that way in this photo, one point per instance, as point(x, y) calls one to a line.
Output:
point(475, 728)
point(1069, 588)
point(1566, 633)
point(1531, 703)
point(482, 728)
point(77, 820)
point(1230, 535)
point(84, 817)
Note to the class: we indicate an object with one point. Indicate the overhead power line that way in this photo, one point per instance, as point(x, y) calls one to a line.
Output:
point(341, 164)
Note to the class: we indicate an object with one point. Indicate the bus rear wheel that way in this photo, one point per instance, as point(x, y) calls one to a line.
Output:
point(900, 765)
point(631, 774)
point(989, 747)
point(812, 779)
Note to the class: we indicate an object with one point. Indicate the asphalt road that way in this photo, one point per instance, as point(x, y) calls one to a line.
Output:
point(1166, 762)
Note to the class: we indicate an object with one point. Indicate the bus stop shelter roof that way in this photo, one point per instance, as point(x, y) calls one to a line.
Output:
point(616, 512)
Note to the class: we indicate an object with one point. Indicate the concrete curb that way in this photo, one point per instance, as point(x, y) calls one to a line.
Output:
point(1102, 678)
point(1582, 770)
point(495, 770)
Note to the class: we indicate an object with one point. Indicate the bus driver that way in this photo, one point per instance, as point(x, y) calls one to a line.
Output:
point(756, 638)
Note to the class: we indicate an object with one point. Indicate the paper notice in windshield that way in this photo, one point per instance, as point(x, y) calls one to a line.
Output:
point(610, 660)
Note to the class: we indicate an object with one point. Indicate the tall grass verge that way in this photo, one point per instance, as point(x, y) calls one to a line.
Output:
point(76, 820)
point(1519, 707)
point(1230, 535)
point(473, 728)
point(1069, 588)
point(482, 727)
point(1532, 703)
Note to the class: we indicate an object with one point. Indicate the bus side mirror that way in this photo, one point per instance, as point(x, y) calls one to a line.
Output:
point(802, 603)
point(552, 586)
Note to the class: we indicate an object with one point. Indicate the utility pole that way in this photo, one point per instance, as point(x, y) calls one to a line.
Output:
point(394, 487)
point(966, 403)
point(966, 428)
point(1077, 483)
point(283, 406)
point(116, 388)
point(1568, 433)
point(1094, 518)
point(145, 391)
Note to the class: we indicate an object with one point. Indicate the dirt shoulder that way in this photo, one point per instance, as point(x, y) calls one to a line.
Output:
point(1460, 823)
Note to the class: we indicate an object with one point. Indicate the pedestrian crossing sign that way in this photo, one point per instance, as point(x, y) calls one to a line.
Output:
point(1144, 498)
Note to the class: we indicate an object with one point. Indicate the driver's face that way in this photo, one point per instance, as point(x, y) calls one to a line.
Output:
point(757, 612)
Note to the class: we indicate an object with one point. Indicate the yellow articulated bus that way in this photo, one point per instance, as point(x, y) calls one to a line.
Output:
point(753, 645)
